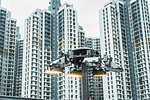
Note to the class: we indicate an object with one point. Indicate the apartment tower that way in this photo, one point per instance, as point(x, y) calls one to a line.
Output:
point(54, 6)
point(68, 88)
point(81, 37)
point(19, 68)
point(37, 55)
point(139, 29)
point(94, 83)
point(113, 39)
point(7, 52)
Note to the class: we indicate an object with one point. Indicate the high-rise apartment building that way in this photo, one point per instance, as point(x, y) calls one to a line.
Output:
point(68, 88)
point(19, 68)
point(67, 28)
point(18, 36)
point(2, 33)
point(37, 55)
point(93, 43)
point(94, 83)
point(54, 6)
point(96, 44)
point(133, 21)
point(7, 52)
point(81, 37)
point(117, 86)
point(130, 51)
point(139, 30)
point(89, 42)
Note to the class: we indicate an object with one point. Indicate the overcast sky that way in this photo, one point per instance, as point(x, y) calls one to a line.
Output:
point(87, 12)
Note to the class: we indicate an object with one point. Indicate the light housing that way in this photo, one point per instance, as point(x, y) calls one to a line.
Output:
point(75, 73)
point(99, 72)
point(54, 70)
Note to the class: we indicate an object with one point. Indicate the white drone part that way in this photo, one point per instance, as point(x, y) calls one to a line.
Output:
point(91, 60)
point(59, 61)
point(91, 65)
point(113, 67)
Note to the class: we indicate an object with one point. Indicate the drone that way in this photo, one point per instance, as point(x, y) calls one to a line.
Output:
point(89, 57)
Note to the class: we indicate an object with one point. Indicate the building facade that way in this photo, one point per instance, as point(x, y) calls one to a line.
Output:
point(67, 28)
point(113, 39)
point(19, 68)
point(92, 42)
point(68, 88)
point(7, 52)
point(135, 23)
point(89, 42)
point(96, 44)
point(94, 83)
point(139, 26)
point(81, 37)
point(37, 55)
point(18, 36)
point(54, 6)
point(2, 33)
point(130, 51)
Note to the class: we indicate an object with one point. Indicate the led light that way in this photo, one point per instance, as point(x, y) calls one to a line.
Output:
point(54, 71)
point(99, 73)
point(75, 73)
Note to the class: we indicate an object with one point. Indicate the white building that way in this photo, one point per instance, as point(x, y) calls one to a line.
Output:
point(117, 86)
point(37, 55)
point(93, 42)
point(81, 37)
point(139, 19)
point(67, 28)
point(96, 44)
point(7, 52)
point(94, 83)
point(89, 42)
point(68, 88)
point(19, 68)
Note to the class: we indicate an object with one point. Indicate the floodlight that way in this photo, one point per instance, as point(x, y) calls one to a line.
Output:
point(99, 72)
point(55, 70)
point(75, 73)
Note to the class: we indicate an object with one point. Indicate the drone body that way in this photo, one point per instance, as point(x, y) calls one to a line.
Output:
point(89, 57)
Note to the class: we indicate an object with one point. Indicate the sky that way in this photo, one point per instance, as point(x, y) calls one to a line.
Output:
point(87, 12)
